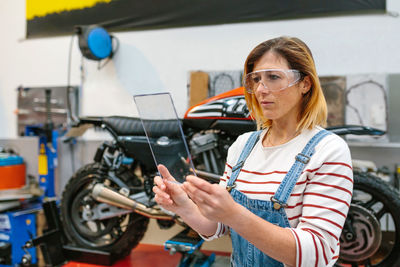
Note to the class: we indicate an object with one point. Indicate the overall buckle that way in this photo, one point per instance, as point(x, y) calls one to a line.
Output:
point(302, 158)
point(277, 205)
point(230, 187)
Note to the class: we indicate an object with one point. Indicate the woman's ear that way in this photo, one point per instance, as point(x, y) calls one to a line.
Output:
point(305, 85)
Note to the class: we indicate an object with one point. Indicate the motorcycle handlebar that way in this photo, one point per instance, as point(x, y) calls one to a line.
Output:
point(356, 129)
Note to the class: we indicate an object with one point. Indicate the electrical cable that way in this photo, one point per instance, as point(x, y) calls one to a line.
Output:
point(71, 115)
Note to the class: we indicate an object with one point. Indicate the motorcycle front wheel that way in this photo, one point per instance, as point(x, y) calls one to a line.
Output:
point(117, 235)
point(371, 234)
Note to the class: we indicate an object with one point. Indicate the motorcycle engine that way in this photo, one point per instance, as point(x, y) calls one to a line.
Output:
point(204, 147)
point(203, 142)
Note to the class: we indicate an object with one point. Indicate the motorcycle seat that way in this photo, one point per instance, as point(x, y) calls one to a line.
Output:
point(128, 126)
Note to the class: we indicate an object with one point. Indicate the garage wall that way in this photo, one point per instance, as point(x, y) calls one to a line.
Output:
point(159, 60)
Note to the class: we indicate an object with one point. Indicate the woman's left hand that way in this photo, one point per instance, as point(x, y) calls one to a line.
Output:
point(213, 201)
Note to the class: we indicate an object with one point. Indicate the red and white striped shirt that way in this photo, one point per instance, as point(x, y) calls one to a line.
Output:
point(320, 200)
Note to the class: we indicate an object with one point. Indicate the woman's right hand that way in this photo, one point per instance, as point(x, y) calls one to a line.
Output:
point(169, 194)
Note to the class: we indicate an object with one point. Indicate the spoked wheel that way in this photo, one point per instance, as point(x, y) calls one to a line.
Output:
point(118, 235)
point(371, 234)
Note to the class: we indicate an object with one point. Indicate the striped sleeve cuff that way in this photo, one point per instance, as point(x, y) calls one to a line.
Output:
point(312, 250)
point(221, 231)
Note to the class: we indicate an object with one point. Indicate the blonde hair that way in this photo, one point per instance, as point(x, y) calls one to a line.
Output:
point(313, 107)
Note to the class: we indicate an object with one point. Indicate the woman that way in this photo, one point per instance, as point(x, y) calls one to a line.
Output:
point(289, 184)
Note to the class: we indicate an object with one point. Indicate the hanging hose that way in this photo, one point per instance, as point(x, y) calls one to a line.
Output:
point(48, 126)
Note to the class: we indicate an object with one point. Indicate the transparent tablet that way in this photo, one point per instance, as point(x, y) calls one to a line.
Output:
point(164, 133)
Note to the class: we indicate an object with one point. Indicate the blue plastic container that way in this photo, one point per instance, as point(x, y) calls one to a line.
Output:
point(9, 159)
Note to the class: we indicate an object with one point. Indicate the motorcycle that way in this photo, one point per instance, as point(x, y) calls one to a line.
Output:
point(107, 204)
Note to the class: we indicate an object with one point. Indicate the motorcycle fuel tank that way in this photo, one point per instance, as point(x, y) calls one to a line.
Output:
point(227, 111)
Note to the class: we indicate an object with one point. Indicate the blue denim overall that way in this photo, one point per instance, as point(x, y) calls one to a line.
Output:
point(244, 253)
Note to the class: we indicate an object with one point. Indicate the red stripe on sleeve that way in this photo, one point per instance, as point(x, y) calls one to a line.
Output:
point(257, 192)
point(326, 196)
point(329, 163)
point(225, 230)
point(318, 234)
point(316, 251)
point(338, 163)
point(267, 193)
point(320, 218)
point(334, 186)
point(336, 175)
point(323, 252)
point(264, 173)
point(303, 182)
point(323, 207)
point(312, 231)
point(250, 182)
point(266, 182)
point(311, 170)
point(220, 231)
point(298, 242)
point(322, 246)
point(294, 217)
point(295, 205)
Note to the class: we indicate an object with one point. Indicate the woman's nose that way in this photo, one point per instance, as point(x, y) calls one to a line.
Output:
point(262, 87)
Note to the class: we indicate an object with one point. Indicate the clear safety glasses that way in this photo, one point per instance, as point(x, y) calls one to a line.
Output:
point(271, 79)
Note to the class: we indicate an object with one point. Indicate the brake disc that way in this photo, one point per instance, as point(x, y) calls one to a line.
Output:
point(363, 240)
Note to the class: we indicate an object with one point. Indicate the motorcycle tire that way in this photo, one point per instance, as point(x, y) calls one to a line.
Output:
point(374, 217)
point(117, 235)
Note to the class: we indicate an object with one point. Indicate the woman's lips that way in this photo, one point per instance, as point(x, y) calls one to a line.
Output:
point(266, 103)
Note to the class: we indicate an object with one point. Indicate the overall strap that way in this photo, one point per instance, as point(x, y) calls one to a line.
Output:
point(248, 147)
point(286, 187)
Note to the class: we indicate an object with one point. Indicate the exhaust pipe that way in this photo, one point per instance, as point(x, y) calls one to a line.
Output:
point(106, 195)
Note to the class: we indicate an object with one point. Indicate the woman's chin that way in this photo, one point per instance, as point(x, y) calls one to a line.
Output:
point(269, 115)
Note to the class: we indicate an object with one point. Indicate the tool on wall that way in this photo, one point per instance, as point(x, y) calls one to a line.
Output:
point(47, 158)
point(96, 43)
point(48, 107)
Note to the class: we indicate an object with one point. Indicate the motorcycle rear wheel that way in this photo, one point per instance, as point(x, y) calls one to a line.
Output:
point(117, 235)
point(374, 214)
